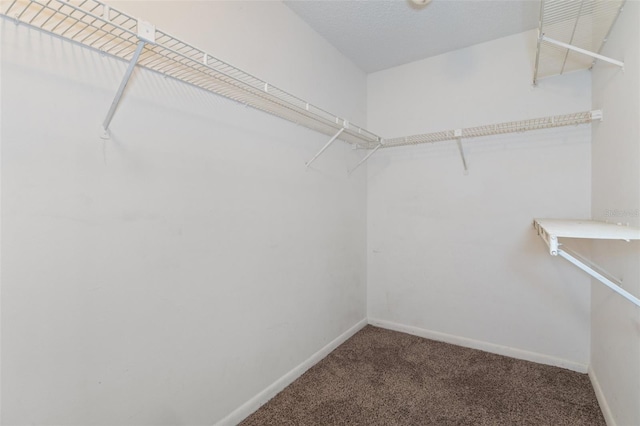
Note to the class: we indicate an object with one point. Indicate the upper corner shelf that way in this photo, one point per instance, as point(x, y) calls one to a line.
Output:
point(572, 34)
point(96, 25)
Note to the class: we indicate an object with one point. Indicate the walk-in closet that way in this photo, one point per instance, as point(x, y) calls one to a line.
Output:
point(380, 212)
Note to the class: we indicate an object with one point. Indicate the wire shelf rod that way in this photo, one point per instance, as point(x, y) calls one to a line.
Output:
point(498, 129)
point(94, 24)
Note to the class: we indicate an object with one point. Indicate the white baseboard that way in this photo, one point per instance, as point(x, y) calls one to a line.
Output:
point(602, 400)
point(483, 346)
point(272, 390)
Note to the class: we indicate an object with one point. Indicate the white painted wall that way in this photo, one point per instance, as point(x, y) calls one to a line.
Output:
point(615, 344)
point(172, 273)
point(455, 257)
point(157, 277)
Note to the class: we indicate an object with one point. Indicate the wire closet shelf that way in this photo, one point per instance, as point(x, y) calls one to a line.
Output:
point(98, 26)
point(572, 34)
point(540, 123)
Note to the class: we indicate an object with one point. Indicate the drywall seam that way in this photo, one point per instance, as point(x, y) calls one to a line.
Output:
point(484, 346)
point(276, 387)
point(602, 400)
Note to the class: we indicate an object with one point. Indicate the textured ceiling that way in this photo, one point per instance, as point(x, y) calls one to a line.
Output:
point(380, 34)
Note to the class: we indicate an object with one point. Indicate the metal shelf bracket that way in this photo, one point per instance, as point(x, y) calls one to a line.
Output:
point(597, 273)
point(583, 51)
point(597, 115)
point(120, 92)
point(373, 151)
point(458, 134)
point(324, 148)
point(550, 230)
point(146, 34)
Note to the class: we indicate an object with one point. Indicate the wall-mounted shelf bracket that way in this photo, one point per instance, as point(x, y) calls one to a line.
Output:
point(324, 148)
point(583, 51)
point(550, 230)
point(597, 273)
point(146, 34)
point(373, 151)
point(120, 92)
point(458, 134)
point(597, 115)
point(565, 25)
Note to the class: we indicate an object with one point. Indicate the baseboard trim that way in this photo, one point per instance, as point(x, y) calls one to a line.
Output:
point(602, 400)
point(483, 346)
point(272, 390)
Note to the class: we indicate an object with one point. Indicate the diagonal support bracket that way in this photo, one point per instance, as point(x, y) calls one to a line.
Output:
point(123, 86)
point(146, 34)
point(600, 275)
point(583, 51)
point(373, 151)
point(458, 135)
point(324, 148)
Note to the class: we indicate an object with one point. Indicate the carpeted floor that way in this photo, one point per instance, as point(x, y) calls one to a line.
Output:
point(382, 377)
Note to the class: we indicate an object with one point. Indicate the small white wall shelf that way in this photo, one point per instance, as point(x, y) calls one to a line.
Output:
point(550, 230)
point(571, 35)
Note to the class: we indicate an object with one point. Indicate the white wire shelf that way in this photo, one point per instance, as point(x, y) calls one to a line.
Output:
point(98, 26)
point(497, 129)
point(550, 230)
point(572, 34)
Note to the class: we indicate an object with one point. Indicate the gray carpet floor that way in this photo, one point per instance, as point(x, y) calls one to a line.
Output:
point(382, 377)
